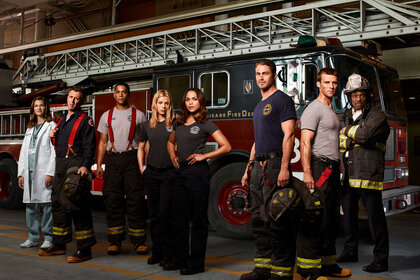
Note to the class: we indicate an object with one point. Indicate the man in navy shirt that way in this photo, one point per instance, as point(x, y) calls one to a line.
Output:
point(274, 124)
point(75, 148)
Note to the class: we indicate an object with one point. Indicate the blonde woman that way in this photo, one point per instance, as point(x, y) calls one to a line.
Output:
point(158, 174)
point(36, 170)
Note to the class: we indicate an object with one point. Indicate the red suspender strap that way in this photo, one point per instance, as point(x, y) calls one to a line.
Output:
point(323, 178)
point(73, 134)
point(55, 128)
point(110, 132)
point(132, 129)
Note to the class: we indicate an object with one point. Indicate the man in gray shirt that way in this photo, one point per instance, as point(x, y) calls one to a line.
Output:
point(320, 161)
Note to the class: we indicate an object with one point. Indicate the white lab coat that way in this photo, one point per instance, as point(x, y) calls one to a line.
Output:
point(44, 165)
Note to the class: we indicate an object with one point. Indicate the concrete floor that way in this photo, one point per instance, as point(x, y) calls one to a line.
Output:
point(226, 258)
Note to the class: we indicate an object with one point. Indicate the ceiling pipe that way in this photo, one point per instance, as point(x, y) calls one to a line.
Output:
point(42, 92)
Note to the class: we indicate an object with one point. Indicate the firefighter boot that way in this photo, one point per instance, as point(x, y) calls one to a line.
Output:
point(114, 248)
point(335, 271)
point(52, 250)
point(80, 256)
point(257, 274)
point(141, 249)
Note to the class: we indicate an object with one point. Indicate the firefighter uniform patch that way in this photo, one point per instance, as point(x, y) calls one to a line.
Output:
point(194, 130)
point(267, 110)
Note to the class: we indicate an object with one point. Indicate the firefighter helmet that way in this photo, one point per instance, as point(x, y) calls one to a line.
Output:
point(284, 204)
point(73, 189)
point(356, 82)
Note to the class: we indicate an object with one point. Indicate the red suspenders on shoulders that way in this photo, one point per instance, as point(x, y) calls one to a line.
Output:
point(130, 134)
point(72, 134)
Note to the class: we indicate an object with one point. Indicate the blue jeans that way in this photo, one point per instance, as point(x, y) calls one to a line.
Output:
point(33, 220)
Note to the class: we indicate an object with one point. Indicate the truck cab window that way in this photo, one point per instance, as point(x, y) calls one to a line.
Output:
point(176, 85)
point(391, 90)
point(311, 90)
point(346, 66)
point(215, 86)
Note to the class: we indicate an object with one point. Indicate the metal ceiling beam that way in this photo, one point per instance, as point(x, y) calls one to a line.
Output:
point(108, 30)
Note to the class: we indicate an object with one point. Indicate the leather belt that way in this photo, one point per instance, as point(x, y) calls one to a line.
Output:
point(159, 168)
point(263, 157)
point(325, 160)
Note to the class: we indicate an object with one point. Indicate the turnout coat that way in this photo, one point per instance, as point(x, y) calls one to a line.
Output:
point(365, 140)
point(44, 165)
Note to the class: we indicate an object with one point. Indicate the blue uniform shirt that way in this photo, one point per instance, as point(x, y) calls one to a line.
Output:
point(268, 116)
point(84, 142)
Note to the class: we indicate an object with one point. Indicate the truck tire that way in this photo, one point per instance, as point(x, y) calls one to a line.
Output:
point(228, 201)
point(10, 193)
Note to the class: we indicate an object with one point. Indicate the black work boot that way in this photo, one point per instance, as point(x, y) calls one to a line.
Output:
point(257, 274)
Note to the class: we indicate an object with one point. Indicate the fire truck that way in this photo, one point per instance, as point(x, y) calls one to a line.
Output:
point(202, 57)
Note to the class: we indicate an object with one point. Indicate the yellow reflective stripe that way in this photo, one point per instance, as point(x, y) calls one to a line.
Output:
point(329, 260)
point(116, 230)
point(266, 260)
point(83, 234)
point(342, 150)
point(61, 231)
point(262, 262)
point(308, 263)
point(263, 265)
point(282, 270)
point(352, 131)
point(366, 184)
point(343, 141)
point(136, 232)
point(381, 146)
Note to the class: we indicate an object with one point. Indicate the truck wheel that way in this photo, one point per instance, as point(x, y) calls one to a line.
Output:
point(228, 202)
point(10, 193)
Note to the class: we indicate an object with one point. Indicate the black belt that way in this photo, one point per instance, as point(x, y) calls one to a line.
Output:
point(125, 153)
point(325, 160)
point(159, 168)
point(263, 157)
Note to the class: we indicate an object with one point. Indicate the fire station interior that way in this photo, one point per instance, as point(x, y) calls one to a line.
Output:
point(35, 27)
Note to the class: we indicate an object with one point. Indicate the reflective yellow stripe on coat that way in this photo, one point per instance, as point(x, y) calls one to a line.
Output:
point(366, 184)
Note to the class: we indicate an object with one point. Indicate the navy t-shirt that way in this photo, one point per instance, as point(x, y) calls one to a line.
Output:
point(268, 116)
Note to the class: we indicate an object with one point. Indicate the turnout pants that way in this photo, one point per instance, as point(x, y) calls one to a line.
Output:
point(190, 202)
point(275, 245)
point(159, 188)
point(328, 223)
point(124, 195)
point(82, 219)
point(372, 200)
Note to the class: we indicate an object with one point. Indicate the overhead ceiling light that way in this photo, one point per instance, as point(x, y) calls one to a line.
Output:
point(412, 97)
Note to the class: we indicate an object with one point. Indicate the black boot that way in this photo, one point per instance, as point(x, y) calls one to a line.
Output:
point(257, 274)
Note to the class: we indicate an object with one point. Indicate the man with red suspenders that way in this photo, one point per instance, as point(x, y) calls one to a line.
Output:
point(122, 188)
point(321, 169)
point(74, 139)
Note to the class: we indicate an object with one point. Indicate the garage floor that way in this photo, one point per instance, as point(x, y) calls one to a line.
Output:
point(226, 258)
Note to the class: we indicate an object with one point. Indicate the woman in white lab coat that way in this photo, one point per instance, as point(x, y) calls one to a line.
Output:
point(36, 170)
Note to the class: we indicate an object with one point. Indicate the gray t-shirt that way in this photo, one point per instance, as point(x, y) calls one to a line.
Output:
point(322, 119)
point(121, 122)
point(158, 155)
point(191, 139)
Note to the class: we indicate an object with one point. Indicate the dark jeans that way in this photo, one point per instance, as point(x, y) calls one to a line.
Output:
point(159, 186)
point(190, 202)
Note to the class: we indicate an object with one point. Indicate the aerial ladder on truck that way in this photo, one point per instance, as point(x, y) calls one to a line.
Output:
point(352, 22)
